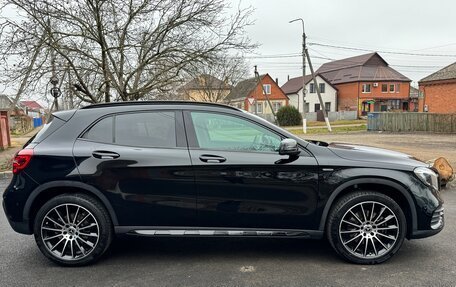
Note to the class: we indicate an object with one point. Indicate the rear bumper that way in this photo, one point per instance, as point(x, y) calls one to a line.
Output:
point(18, 226)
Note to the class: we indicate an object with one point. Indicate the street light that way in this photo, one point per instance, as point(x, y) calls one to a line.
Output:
point(55, 91)
point(304, 120)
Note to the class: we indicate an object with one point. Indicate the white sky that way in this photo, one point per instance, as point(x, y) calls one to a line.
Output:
point(422, 27)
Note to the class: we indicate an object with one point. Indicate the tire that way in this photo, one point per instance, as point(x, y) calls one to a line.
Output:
point(349, 231)
point(73, 229)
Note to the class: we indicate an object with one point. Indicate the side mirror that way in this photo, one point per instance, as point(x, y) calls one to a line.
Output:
point(289, 147)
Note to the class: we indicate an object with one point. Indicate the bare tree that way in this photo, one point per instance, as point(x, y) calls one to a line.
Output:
point(117, 49)
point(212, 82)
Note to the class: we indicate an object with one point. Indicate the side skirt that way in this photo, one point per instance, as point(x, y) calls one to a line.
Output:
point(167, 231)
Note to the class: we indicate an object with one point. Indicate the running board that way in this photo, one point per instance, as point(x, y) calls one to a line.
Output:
point(219, 232)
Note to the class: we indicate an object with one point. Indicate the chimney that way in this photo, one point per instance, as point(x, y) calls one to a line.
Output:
point(288, 77)
point(277, 81)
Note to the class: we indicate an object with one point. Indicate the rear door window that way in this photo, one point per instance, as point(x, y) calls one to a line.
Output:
point(143, 129)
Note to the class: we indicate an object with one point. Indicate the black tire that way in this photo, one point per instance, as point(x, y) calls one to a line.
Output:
point(340, 232)
point(80, 206)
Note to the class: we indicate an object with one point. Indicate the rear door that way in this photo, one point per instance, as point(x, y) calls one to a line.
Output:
point(140, 161)
point(241, 179)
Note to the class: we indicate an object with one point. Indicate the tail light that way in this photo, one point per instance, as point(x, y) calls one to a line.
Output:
point(21, 160)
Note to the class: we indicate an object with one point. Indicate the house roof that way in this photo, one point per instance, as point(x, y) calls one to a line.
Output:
point(447, 73)
point(32, 105)
point(204, 82)
point(295, 84)
point(243, 88)
point(414, 92)
point(368, 67)
point(5, 102)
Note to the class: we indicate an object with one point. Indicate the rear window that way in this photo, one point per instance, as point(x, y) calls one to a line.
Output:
point(51, 126)
point(145, 129)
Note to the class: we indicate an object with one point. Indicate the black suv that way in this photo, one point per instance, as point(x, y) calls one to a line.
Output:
point(199, 169)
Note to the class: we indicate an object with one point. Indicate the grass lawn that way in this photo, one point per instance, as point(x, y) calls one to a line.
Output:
point(298, 131)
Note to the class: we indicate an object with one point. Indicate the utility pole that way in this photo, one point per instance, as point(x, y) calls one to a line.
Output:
point(304, 120)
point(305, 55)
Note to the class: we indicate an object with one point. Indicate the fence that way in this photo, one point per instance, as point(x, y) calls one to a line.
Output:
point(311, 117)
point(412, 122)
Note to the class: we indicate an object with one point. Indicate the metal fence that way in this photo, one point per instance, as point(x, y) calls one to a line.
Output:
point(411, 122)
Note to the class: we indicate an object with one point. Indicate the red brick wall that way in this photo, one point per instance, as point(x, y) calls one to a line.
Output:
point(348, 94)
point(440, 97)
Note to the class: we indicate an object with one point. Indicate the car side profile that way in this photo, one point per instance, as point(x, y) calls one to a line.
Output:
point(199, 169)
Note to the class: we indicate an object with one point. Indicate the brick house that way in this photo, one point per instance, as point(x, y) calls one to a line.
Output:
point(248, 95)
point(438, 91)
point(367, 83)
point(293, 89)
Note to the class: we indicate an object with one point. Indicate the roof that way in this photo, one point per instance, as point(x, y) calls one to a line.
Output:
point(447, 73)
point(32, 105)
point(414, 92)
point(5, 102)
point(204, 82)
point(368, 67)
point(243, 88)
point(295, 84)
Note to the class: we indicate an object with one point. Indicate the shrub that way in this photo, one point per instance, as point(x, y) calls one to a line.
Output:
point(289, 116)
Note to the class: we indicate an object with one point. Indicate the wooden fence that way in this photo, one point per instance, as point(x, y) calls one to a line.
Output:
point(411, 122)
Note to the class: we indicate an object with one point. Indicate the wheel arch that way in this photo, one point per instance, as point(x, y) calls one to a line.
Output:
point(402, 197)
point(54, 188)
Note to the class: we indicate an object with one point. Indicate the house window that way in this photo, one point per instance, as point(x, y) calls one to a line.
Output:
point(276, 106)
point(394, 104)
point(328, 106)
point(317, 107)
point(259, 107)
point(384, 88)
point(366, 88)
point(267, 89)
point(398, 88)
point(322, 87)
point(392, 88)
point(312, 88)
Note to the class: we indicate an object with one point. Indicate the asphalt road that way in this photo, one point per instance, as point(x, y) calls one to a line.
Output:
point(232, 262)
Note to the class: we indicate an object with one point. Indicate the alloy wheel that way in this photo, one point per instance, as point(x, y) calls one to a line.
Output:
point(70, 231)
point(369, 230)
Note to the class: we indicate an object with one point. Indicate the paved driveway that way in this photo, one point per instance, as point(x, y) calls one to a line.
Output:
point(232, 262)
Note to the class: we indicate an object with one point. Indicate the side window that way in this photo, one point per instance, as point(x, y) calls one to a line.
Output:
point(101, 131)
point(147, 129)
point(224, 132)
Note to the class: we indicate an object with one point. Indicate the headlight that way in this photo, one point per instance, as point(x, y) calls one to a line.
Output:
point(427, 176)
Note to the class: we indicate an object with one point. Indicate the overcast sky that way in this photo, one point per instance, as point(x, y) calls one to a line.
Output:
point(417, 27)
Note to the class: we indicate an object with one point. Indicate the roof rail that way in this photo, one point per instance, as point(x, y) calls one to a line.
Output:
point(129, 103)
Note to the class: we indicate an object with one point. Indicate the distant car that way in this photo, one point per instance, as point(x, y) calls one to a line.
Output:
point(199, 169)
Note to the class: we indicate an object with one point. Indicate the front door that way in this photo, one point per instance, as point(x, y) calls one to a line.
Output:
point(242, 181)
point(140, 161)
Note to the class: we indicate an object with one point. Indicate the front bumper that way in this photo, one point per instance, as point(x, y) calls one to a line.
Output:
point(437, 223)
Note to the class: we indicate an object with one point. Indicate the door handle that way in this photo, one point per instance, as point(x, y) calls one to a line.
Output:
point(209, 158)
point(103, 154)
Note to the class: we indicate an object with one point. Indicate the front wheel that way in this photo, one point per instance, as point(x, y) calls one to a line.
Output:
point(366, 227)
point(73, 229)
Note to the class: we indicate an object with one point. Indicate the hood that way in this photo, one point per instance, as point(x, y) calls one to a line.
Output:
point(373, 154)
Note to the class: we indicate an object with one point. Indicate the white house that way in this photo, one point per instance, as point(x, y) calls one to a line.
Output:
point(293, 89)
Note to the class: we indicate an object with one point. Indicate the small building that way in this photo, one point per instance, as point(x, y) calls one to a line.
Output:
point(5, 135)
point(293, 89)
point(438, 91)
point(35, 111)
point(367, 83)
point(252, 96)
point(205, 88)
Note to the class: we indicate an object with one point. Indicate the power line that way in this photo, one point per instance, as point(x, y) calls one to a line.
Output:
point(384, 52)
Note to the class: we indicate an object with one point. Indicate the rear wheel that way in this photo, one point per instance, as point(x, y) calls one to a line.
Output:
point(73, 229)
point(366, 227)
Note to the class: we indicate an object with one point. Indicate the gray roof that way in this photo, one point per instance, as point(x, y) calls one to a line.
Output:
point(243, 89)
point(5, 102)
point(368, 67)
point(295, 84)
point(447, 73)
